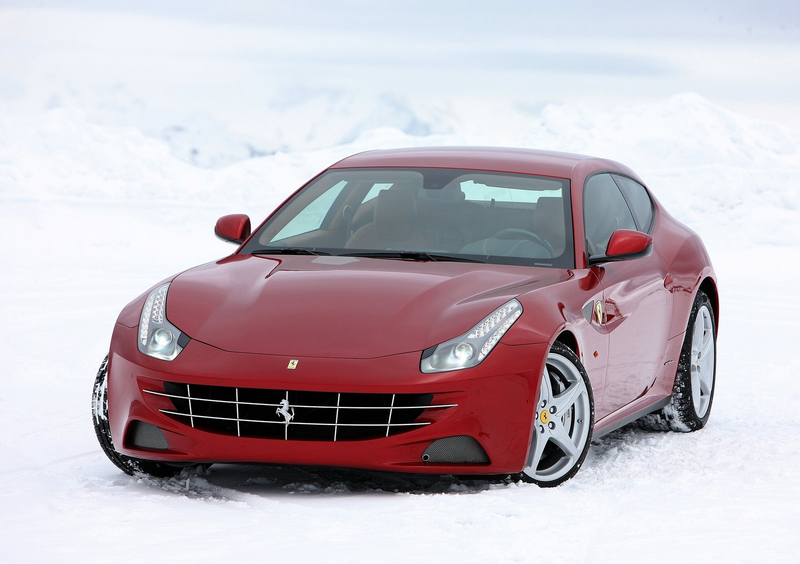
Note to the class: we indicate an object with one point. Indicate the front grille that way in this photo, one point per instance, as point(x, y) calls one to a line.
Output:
point(295, 415)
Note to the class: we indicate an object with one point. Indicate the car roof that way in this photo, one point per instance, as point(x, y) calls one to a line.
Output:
point(498, 159)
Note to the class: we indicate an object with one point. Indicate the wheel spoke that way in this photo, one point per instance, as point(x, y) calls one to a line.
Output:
point(560, 436)
point(547, 387)
point(695, 387)
point(539, 442)
point(697, 337)
point(705, 384)
point(566, 399)
point(707, 345)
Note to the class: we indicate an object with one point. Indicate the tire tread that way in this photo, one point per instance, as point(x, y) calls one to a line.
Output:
point(129, 465)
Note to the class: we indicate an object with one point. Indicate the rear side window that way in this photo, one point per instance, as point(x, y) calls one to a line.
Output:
point(639, 200)
point(604, 211)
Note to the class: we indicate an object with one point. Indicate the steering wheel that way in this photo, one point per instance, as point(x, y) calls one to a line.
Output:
point(511, 232)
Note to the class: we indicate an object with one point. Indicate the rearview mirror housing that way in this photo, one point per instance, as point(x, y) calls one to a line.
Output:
point(234, 228)
point(625, 244)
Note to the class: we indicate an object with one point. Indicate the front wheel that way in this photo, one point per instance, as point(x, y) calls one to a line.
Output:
point(102, 429)
point(564, 420)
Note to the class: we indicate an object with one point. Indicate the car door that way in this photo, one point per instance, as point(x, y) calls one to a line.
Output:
point(636, 304)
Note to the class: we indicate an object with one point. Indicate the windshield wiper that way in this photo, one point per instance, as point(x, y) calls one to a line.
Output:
point(287, 251)
point(411, 255)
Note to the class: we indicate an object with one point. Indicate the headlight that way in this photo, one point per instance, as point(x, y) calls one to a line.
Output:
point(158, 337)
point(471, 348)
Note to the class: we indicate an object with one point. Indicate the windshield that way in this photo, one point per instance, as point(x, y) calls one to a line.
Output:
point(426, 214)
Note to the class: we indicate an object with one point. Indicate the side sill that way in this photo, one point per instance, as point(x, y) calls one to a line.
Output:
point(632, 417)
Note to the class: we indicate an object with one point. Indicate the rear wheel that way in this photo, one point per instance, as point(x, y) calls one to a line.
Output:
point(564, 420)
point(102, 429)
point(690, 405)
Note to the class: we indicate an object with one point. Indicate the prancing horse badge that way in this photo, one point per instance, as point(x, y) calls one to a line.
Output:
point(292, 364)
point(598, 310)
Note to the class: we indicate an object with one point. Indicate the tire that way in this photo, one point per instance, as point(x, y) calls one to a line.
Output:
point(693, 393)
point(127, 464)
point(564, 420)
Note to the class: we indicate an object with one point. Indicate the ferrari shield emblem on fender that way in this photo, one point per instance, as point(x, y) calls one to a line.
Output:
point(292, 364)
point(598, 310)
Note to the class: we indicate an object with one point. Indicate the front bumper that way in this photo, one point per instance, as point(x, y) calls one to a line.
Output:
point(495, 404)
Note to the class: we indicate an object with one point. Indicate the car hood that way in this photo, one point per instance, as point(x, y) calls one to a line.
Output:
point(340, 307)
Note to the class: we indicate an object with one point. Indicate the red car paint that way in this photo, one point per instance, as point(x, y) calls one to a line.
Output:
point(234, 228)
point(360, 325)
point(626, 242)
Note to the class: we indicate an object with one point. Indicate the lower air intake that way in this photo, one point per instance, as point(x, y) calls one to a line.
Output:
point(455, 450)
point(145, 435)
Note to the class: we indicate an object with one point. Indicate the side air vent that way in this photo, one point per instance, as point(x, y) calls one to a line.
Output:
point(145, 435)
point(455, 450)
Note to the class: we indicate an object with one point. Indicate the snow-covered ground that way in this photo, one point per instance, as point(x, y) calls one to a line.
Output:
point(97, 203)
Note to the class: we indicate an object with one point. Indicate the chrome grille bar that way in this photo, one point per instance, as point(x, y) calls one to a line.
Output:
point(356, 415)
point(391, 408)
point(189, 395)
point(415, 424)
point(336, 423)
point(196, 399)
point(286, 428)
point(238, 426)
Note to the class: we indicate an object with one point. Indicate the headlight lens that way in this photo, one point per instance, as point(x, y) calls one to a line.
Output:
point(158, 337)
point(470, 349)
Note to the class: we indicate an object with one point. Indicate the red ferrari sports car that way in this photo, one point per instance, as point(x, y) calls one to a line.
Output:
point(471, 311)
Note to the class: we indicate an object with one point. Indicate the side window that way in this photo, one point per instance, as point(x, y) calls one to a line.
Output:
point(604, 211)
point(640, 202)
point(312, 216)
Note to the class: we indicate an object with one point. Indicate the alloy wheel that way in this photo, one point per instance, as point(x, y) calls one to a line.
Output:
point(702, 361)
point(563, 422)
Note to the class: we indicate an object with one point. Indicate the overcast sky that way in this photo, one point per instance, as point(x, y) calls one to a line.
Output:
point(745, 55)
point(734, 20)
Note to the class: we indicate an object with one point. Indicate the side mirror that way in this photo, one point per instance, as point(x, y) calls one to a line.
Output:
point(233, 228)
point(625, 244)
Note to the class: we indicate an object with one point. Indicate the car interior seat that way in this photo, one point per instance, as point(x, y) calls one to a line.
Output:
point(548, 222)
